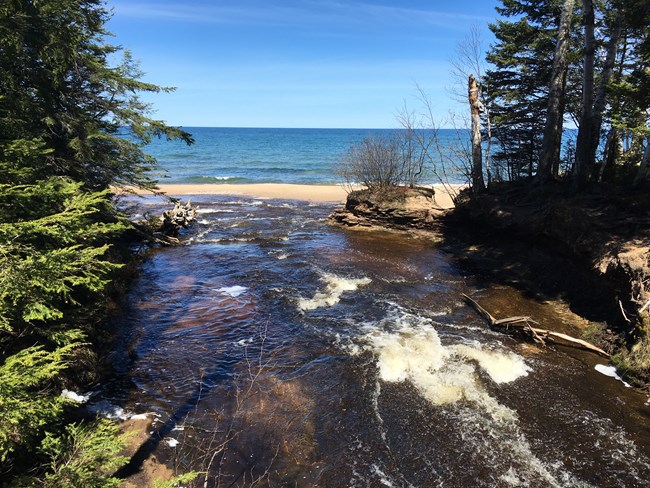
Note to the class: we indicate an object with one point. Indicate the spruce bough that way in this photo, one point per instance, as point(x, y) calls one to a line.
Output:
point(72, 127)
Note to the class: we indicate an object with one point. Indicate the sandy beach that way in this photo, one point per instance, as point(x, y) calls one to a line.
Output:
point(311, 193)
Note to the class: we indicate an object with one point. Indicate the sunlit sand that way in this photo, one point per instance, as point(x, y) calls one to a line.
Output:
point(311, 193)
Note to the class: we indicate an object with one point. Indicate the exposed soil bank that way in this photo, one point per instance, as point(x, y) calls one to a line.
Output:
point(600, 248)
point(591, 251)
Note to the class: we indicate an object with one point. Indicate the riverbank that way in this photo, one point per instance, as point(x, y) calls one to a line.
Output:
point(600, 247)
point(590, 251)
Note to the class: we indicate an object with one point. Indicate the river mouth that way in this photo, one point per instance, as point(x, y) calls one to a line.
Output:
point(273, 347)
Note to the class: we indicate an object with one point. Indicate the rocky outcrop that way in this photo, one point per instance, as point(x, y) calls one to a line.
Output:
point(396, 208)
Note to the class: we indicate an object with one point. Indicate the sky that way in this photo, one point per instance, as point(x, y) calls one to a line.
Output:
point(297, 63)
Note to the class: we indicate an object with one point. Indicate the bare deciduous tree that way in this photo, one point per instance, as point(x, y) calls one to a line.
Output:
point(449, 161)
point(413, 156)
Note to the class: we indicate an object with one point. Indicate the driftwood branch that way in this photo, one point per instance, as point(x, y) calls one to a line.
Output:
point(170, 223)
point(523, 324)
point(642, 309)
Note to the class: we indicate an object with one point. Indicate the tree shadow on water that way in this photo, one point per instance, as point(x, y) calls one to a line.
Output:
point(162, 305)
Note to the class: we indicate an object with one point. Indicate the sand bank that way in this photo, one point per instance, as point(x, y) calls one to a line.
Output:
point(311, 193)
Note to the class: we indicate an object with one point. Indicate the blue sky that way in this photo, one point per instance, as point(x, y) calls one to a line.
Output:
point(296, 63)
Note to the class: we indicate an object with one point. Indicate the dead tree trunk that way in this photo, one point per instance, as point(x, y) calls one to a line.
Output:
point(476, 107)
point(180, 217)
point(553, 129)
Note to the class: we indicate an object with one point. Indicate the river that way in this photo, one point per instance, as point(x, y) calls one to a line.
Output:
point(272, 347)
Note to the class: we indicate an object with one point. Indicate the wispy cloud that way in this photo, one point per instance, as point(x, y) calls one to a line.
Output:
point(297, 13)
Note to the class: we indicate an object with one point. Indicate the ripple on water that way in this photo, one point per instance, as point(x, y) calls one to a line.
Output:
point(353, 382)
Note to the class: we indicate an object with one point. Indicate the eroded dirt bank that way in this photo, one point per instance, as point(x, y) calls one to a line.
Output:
point(593, 250)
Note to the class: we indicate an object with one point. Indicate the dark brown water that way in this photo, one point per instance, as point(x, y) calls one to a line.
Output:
point(273, 347)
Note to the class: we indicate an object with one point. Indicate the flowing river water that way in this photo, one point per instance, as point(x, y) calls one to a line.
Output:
point(271, 346)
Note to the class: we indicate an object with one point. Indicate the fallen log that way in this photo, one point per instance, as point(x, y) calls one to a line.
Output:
point(523, 324)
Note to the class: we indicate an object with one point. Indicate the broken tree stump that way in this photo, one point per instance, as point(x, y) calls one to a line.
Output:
point(180, 217)
point(523, 324)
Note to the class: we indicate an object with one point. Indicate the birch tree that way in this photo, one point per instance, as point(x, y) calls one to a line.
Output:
point(476, 107)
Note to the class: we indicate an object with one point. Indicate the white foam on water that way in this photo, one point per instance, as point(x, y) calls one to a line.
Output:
point(171, 442)
point(501, 367)
point(233, 291)
point(409, 349)
point(282, 257)
point(611, 372)
point(383, 477)
point(199, 236)
point(244, 342)
point(139, 416)
point(106, 409)
point(227, 240)
point(335, 286)
point(445, 374)
point(75, 397)
point(213, 210)
point(240, 202)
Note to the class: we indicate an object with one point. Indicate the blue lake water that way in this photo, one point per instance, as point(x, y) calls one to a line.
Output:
point(249, 155)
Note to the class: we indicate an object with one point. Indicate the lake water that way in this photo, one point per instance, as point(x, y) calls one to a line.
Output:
point(236, 155)
point(272, 347)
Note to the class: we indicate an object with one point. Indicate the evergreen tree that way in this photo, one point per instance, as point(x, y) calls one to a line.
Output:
point(59, 87)
point(601, 81)
point(552, 140)
point(71, 127)
point(522, 58)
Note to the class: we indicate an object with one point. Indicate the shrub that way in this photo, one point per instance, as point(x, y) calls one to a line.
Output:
point(380, 162)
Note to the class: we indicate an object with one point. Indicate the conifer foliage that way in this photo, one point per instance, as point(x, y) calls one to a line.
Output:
point(584, 62)
point(71, 127)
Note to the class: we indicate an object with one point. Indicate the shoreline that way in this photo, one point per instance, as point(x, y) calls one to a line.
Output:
point(289, 191)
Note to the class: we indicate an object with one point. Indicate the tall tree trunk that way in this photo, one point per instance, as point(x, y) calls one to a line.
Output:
point(643, 174)
point(488, 135)
point(587, 147)
point(605, 77)
point(553, 129)
point(612, 150)
point(613, 144)
point(557, 152)
point(476, 108)
point(585, 140)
